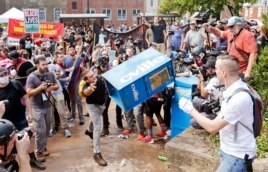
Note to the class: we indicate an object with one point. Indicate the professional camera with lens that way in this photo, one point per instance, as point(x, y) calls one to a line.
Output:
point(125, 57)
point(212, 106)
point(201, 70)
point(20, 135)
point(48, 83)
point(170, 32)
point(137, 42)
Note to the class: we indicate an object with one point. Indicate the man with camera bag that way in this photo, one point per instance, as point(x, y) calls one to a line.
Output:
point(8, 142)
point(39, 85)
point(12, 94)
point(207, 89)
point(237, 144)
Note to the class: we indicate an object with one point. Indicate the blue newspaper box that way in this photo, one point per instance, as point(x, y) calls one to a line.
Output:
point(180, 120)
point(140, 77)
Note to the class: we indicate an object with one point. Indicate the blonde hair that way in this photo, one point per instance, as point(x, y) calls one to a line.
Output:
point(229, 63)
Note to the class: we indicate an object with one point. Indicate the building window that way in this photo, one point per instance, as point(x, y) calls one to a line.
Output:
point(42, 15)
point(57, 13)
point(91, 11)
point(135, 13)
point(121, 14)
point(74, 5)
point(107, 11)
point(152, 3)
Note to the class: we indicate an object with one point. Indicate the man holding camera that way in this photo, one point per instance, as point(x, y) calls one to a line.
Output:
point(39, 85)
point(237, 145)
point(241, 44)
point(8, 143)
point(12, 94)
point(207, 88)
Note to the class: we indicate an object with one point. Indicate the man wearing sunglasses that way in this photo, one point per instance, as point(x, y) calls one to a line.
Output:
point(241, 44)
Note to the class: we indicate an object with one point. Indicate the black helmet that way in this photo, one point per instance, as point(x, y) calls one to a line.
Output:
point(7, 130)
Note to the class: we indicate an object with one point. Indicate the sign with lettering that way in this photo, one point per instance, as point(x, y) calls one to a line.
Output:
point(47, 29)
point(31, 20)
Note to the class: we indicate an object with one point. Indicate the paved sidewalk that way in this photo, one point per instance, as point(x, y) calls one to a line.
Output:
point(75, 154)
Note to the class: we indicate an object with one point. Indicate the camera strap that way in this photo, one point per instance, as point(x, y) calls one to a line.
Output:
point(42, 79)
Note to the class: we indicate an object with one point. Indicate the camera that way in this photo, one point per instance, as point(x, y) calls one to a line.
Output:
point(48, 83)
point(125, 57)
point(202, 70)
point(170, 32)
point(137, 42)
point(212, 106)
point(21, 133)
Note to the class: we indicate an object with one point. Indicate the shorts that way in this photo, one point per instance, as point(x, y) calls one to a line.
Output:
point(152, 107)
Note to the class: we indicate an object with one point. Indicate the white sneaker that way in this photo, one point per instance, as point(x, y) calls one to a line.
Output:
point(67, 133)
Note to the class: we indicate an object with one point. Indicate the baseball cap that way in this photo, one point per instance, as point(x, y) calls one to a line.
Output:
point(14, 54)
point(234, 20)
point(210, 63)
point(3, 70)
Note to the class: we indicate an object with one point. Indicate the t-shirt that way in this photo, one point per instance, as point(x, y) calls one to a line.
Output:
point(158, 33)
point(99, 95)
point(15, 110)
point(238, 108)
point(40, 101)
point(176, 38)
point(245, 41)
point(194, 38)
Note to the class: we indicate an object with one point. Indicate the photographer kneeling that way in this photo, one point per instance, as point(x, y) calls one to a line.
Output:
point(209, 95)
point(9, 142)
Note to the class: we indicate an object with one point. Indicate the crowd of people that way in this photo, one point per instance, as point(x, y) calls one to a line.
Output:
point(40, 84)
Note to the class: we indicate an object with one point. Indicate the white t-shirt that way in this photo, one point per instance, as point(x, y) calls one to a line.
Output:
point(238, 108)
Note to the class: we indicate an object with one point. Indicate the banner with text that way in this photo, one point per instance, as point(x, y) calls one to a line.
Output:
point(31, 19)
point(16, 30)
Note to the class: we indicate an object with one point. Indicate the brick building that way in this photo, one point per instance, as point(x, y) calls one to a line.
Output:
point(49, 10)
point(118, 11)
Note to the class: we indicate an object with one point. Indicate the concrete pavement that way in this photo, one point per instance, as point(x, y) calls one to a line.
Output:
point(75, 154)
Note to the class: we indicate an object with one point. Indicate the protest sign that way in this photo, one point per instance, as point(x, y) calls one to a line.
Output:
point(31, 20)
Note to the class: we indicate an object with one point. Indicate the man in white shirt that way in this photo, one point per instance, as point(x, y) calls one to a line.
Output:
point(238, 145)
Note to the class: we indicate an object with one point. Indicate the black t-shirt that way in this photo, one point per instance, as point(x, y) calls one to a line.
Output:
point(15, 110)
point(158, 33)
point(99, 95)
point(26, 42)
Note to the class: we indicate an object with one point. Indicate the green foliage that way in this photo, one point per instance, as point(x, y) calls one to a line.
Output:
point(259, 83)
point(184, 6)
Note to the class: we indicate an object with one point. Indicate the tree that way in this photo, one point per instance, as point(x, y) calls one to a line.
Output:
point(184, 6)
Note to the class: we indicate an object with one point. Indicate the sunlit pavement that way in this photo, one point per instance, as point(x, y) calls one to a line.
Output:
point(75, 154)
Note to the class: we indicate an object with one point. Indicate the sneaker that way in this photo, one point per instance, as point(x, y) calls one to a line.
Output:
point(40, 157)
point(161, 134)
point(52, 132)
point(81, 122)
point(127, 131)
point(140, 136)
point(105, 132)
point(148, 139)
point(71, 118)
point(46, 153)
point(36, 164)
point(98, 158)
point(67, 133)
point(89, 133)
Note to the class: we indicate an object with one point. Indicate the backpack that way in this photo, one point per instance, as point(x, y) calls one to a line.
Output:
point(258, 110)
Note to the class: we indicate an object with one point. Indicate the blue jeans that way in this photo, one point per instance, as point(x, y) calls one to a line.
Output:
point(231, 163)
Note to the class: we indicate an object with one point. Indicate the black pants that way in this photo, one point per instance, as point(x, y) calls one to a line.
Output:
point(66, 98)
point(118, 112)
point(105, 117)
point(167, 114)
